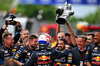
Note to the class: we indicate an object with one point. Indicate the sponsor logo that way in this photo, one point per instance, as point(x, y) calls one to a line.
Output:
point(95, 62)
point(6, 51)
point(44, 57)
point(87, 52)
point(96, 58)
point(95, 49)
point(70, 58)
point(59, 64)
point(44, 60)
point(28, 53)
point(13, 49)
point(17, 55)
point(43, 53)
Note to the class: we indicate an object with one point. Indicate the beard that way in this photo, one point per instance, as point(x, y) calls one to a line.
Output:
point(33, 46)
point(60, 48)
point(96, 40)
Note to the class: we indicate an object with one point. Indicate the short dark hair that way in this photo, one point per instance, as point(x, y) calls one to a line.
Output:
point(32, 36)
point(92, 34)
point(6, 35)
point(83, 36)
point(63, 41)
point(67, 34)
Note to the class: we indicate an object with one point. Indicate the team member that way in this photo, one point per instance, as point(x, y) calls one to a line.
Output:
point(90, 38)
point(60, 35)
point(4, 30)
point(24, 36)
point(24, 53)
point(8, 49)
point(93, 52)
point(61, 60)
point(77, 54)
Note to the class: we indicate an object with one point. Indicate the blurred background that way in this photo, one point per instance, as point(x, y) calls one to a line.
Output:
point(38, 16)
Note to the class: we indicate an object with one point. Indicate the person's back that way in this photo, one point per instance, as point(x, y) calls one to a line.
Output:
point(44, 57)
point(40, 58)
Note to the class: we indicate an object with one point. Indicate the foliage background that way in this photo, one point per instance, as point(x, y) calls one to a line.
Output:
point(49, 12)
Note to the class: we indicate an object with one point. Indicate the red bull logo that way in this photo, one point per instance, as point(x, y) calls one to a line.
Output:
point(58, 63)
point(43, 58)
point(96, 58)
point(96, 62)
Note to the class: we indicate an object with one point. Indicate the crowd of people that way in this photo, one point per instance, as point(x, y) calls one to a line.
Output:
point(70, 50)
point(31, 50)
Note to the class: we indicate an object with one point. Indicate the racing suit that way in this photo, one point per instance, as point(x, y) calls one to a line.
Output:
point(93, 55)
point(23, 54)
point(45, 57)
point(7, 53)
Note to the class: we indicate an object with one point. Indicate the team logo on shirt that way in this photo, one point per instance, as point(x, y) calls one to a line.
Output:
point(21, 46)
point(17, 55)
point(13, 49)
point(58, 63)
point(44, 60)
point(87, 52)
point(43, 57)
point(95, 49)
point(28, 53)
point(6, 51)
point(70, 58)
point(96, 58)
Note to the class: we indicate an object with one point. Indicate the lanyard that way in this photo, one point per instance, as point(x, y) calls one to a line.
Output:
point(82, 54)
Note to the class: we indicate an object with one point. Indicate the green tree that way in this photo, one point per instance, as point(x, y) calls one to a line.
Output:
point(73, 19)
point(48, 12)
point(93, 18)
point(32, 11)
point(5, 4)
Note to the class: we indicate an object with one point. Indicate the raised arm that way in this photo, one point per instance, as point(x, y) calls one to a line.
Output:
point(72, 35)
point(58, 29)
point(17, 35)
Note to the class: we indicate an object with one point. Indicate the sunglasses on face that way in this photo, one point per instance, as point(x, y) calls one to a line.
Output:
point(67, 38)
point(61, 37)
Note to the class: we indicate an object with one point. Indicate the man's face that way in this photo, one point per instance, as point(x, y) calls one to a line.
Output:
point(25, 34)
point(97, 37)
point(89, 40)
point(61, 45)
point(81, 43)
point(9, 41)
point(60, 36)
point(33, 43)
point(68, 39)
